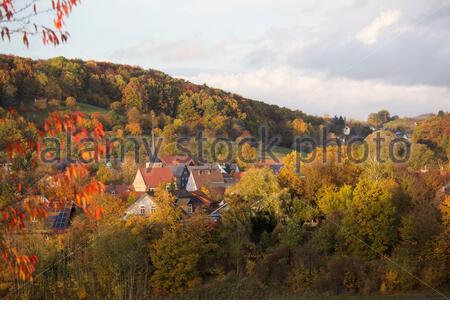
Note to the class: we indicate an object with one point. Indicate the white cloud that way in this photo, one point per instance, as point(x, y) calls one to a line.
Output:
point(369, 34)
point(319, 93)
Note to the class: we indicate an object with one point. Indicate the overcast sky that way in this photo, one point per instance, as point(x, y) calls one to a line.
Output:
point(348, 57)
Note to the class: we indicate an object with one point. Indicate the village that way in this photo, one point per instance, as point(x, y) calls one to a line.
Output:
point(197, 187)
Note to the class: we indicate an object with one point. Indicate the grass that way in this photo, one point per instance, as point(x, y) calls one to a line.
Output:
point(89, 108)
point(281, 152)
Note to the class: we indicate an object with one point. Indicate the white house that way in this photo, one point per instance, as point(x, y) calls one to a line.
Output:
point(143, 206)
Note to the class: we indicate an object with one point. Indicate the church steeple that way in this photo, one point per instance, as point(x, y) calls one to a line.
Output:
point(154, 161)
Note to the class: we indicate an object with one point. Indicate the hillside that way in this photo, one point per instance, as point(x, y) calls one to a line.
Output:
point(41, 85)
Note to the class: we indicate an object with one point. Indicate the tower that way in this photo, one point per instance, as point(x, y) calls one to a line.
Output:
point(154, 161)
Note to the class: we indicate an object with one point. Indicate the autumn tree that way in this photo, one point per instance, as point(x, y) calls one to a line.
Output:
point(370, 225)
point(300, 127)
point(71, 102)
point(73, 185)
point(134, 95)
point(119, 261)
point(258, 188)
point(134, 128)
point(378, 119)
point(247, 155)
point(182, 256)
point(289, 176)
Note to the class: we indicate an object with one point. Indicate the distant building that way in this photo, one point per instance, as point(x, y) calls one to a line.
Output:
point(207, 176)
point(143, 206)
point(148, 178)
point(59, 216)
point(181, 174)
point(121, 191)
point(189, 202)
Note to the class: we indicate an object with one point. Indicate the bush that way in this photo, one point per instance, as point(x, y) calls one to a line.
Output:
point(71, 102)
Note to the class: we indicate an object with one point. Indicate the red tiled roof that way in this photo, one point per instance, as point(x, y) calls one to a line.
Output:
point(154, 177)
point(209, 178)
point(175, 160)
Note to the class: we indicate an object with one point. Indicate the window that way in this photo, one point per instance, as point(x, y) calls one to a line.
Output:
point(142, 210)
point(153, 208)
point(189, 208)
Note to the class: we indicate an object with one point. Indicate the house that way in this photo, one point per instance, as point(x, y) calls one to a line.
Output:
point(122, 191)
point(150, 178)
point(143, 206)
point(181, 174)
point(59, 215)
point(228, 168)
point(207, 176)
point(190, 202)
point(217, 213)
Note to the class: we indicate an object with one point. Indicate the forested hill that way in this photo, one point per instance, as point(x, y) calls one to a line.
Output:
point(121, 90)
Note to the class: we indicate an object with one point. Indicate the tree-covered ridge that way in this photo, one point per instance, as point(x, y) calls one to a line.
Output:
point(131, 94)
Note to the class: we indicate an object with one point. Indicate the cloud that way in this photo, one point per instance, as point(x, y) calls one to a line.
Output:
point(369, 34)
point(319, 92)
point(186, 49)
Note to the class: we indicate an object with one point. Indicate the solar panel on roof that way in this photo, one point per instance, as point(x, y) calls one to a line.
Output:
point(62, 219)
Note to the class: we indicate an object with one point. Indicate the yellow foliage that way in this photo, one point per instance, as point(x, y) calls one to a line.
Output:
point(134, 129)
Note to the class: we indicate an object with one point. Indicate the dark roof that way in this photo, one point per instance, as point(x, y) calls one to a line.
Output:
point(177, 170)
point(59, 215)
point(197, 195)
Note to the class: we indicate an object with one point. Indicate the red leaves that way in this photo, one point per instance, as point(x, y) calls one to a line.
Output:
point(51, 34)
point(8, 8)
point(73, 183)
point(24, 265)
point(63, 8)
point(14, 218)
point(75, 125)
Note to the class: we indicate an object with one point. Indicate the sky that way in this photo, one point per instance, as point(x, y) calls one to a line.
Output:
point(344, 57)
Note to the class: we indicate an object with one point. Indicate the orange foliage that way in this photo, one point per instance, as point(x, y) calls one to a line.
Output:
point(73, 185)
